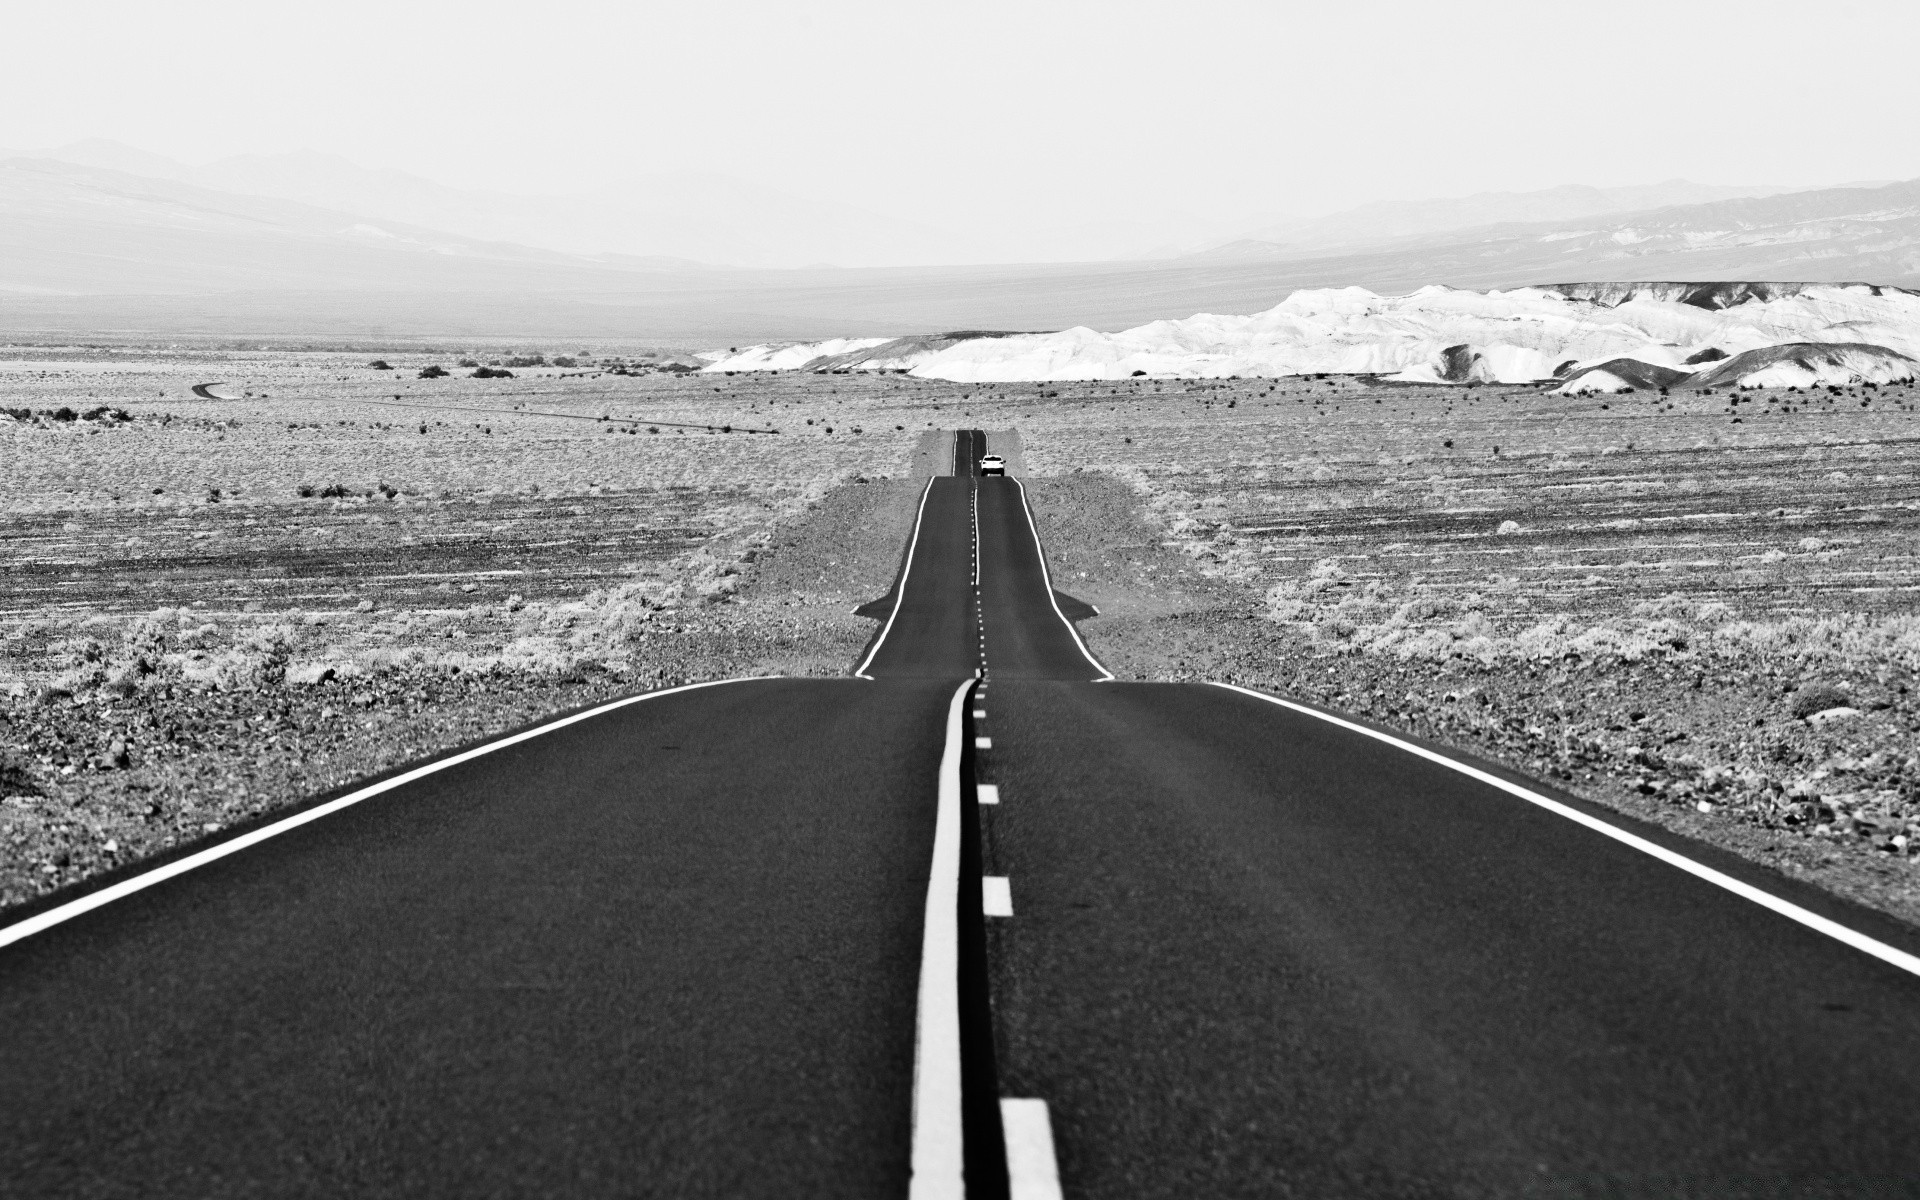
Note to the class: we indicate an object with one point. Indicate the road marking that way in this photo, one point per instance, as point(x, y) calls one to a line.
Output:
point(979, 714)
point(1033, 1173)
point(938, 1164)
point(974, 505)
point(180, 866)
point(1046, 577)
point(1786, 908)
point(983, 743)
point(989, 793)
point(996, 896)
point(900, 594)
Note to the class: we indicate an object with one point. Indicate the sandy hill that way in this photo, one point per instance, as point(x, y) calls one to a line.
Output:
point(1593, 336)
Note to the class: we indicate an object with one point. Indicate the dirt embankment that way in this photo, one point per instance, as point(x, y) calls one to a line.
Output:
point(933, 454)
point(1008, 444)
point(1101, 550)
point(840, 554)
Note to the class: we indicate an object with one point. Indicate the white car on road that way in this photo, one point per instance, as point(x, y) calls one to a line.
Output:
point(992, 464)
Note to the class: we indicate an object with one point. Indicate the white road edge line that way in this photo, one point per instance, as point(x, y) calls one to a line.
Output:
point(1046, 576)
point(1786, 908)
point(906, 568)
point(938, 1160)
point(180, 866)
point(1033, 1172)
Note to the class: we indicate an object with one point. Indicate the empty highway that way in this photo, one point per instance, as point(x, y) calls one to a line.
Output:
point(977, 920)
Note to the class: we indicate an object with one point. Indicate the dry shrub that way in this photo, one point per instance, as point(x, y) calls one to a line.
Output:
point(1818, 697)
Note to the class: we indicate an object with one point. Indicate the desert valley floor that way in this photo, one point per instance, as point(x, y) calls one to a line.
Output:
point(1696, 608)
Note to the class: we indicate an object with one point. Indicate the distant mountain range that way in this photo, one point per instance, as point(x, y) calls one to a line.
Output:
point(697, 217)
point(100, 236)
point(722, 221)
point(1371, 224)
point(73, 229)
point(1869, 233)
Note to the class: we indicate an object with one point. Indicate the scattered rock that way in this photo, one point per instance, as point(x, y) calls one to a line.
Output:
point(15, 782)
point(1509, 527)
point(1816, 698)
point(1828, 716)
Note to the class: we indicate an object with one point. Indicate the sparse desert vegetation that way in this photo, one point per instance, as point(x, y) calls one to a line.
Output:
point(1698, 608)
point(215, 607)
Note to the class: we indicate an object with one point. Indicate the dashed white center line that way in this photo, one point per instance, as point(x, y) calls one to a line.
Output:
point(996, 896)
point(983, 743)
point(989, 793)
point(1032, 1171)
point(979, 714)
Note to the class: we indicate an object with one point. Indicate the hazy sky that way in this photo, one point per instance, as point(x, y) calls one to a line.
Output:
point(985, 112)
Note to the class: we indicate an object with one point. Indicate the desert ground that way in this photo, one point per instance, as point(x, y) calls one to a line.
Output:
point(1699, 609)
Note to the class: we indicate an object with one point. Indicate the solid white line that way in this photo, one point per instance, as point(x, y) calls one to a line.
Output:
point(906, 568)
point(989, 793)
point(180, 866)
point(996, 896)
point(1033, 1173)
point(1047, 577)
point(939, 1166)
point(1786, 908)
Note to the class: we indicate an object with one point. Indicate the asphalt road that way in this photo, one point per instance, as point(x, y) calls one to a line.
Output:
point(672, 949)
point(974, 596)
point(666, 951)
point(1255, 954)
